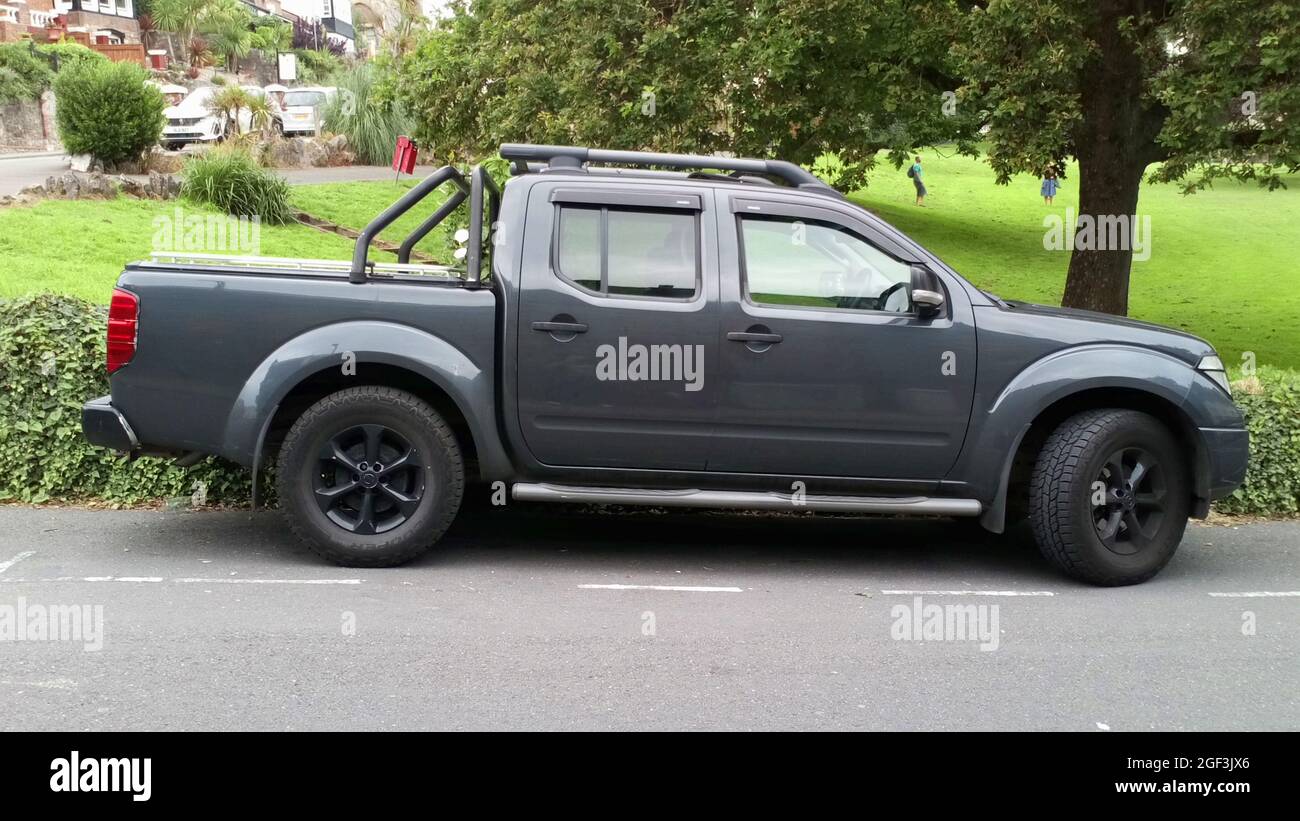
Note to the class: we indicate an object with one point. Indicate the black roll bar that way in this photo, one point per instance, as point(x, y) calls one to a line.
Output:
point(361, 254)
point(453, 202)
point(480, 182)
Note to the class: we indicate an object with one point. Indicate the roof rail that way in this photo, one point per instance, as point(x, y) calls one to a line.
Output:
point(575, 158)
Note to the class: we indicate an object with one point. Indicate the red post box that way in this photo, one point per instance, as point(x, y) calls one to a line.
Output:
point(404, 155)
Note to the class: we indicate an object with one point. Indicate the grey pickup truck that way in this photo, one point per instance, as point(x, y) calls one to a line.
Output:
point(668, 330)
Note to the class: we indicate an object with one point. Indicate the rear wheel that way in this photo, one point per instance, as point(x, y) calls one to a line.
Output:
point(370, 477)
point(1110, 497)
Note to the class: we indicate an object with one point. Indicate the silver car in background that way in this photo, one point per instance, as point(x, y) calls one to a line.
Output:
point(304, 110)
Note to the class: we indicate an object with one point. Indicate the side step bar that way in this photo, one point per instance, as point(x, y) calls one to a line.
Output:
point(745, 500)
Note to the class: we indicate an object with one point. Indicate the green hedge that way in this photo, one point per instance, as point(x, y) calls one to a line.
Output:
point(1271, 401)
point(52, 360)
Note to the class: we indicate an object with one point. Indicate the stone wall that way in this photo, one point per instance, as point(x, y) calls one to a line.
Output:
point(28, 125)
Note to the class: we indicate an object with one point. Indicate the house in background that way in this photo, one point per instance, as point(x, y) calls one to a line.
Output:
point(335, 17)
point(103, 22)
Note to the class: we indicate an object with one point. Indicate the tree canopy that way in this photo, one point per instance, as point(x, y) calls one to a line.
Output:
point(1201, 88)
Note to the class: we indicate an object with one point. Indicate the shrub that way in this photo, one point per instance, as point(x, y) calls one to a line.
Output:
point(310, 35)
point(107, 110)
point(230, 179)
point(1271, 401)
point(51, 361)
point(23, 76)
point(372, 124)
point(317, 67)
point(68, 52)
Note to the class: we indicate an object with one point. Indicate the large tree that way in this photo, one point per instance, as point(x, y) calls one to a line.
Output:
point(1205, 88)
point(795, 78)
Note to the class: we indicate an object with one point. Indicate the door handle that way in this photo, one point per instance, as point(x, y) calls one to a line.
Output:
point(560, 327)
point(752, 337)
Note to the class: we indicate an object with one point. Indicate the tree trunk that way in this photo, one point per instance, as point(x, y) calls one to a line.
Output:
point(1114, 143)
point(1098, 278)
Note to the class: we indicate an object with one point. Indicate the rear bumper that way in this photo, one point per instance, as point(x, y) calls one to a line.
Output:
point(104, 426)
point(1228, 450)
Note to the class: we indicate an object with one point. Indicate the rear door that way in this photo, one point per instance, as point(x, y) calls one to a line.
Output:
point(826, 368)
point(617, 321)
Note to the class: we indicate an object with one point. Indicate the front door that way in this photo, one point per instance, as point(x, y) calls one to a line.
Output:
point(827, 369)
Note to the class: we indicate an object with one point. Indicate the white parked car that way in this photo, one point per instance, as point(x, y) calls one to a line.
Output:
point(193, 122)
point(304, 109)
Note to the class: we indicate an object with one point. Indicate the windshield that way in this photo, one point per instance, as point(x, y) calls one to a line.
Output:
point(196, 104)
point(304, 98)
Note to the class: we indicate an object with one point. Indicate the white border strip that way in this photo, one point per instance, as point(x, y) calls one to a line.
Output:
point(161, 580)
point(1258, 594)
point(669, 587)
point(967, 593)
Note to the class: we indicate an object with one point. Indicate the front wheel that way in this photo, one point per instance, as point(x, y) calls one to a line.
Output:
point(1110, 497)
point(370, 477)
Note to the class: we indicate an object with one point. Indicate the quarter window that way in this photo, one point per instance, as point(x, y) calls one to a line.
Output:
point(627, 252)
point(820, 265)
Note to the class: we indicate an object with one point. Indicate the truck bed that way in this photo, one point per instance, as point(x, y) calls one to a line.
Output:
point(210, 334)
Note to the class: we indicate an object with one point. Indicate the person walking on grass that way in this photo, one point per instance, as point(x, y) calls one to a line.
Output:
point(1050, 184)
point(915, 173)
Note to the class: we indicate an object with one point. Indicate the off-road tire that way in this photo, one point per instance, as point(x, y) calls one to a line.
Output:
point(1062, 496)
point(440, 467)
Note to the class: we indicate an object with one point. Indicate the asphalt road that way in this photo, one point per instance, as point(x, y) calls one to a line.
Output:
point(220, 621)
point(19, 172)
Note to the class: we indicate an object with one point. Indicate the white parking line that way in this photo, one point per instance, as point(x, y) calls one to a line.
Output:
point(670, 587)
point(267, 581)
point(967, 593)
point(161, 580)
point(16, 559)
point(1258, 594)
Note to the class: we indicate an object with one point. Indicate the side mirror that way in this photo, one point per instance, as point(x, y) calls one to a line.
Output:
point(927, 293)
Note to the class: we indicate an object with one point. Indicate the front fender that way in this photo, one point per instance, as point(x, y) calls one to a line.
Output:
point(997, 430)
point(468, 385)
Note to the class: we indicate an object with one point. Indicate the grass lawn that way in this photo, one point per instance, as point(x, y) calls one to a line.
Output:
point(353, 204)
point(1223, 262)
point(78, 247)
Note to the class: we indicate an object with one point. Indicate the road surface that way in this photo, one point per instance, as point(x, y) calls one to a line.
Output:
point(557, 618)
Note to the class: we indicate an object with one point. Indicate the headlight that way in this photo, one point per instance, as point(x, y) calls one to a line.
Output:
point(1212, 366)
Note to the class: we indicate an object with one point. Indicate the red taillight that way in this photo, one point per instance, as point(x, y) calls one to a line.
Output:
point(123, 313)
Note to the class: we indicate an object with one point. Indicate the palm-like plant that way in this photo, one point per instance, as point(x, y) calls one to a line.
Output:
point(410, 20)
point(272, 34)
point(200, 53)
point(259, 114)
point(180, 16)
point(229, 102)
point(225, 24)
